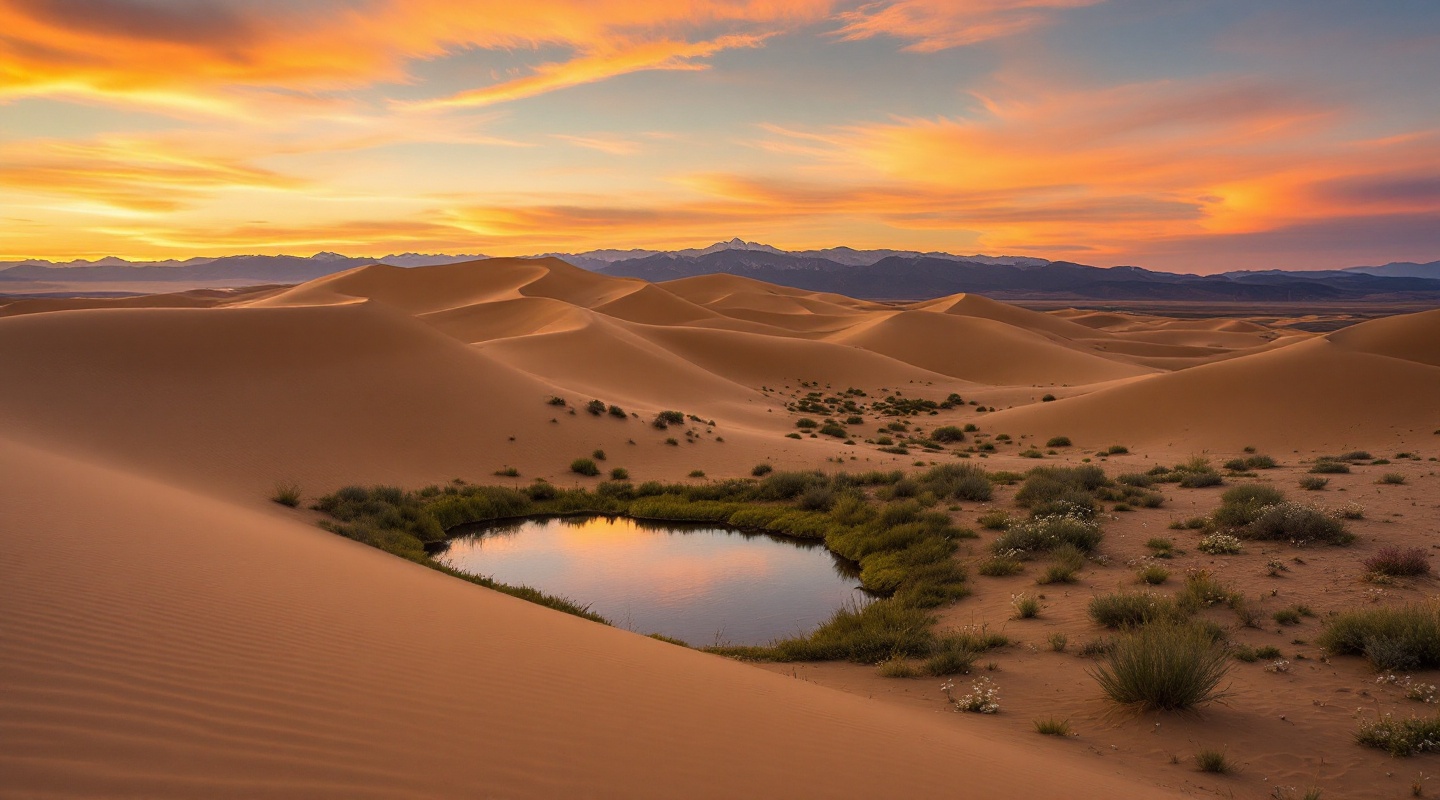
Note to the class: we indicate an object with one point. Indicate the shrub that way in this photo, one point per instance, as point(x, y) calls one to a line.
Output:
point(1043, 534)
point(1026, 606)
point(595, 407)
point(1396, 562)
point(984, 697)
point(672, 442)
point(1052, 726)
point(286, 494)
point(1400, 737)
point(1287, 616)
point(1355, 455)
point(1058, 441)
point(697, 473)
point(556, 401)
point(508, 472)
point(995, 520)
point(883, 629)
point(617, 412)
point(1398, 638)
point(584, 466)
point(1392, 478)
point(957, 481)
point(1164, 667)
point(1313, 483)
point(1164, 548)
point(1049, 398)
point(1212, 761)
point(806, 423)
point(1201, 479)
point(619, 474)
point(1058, 642)
point(1139, 479)
point(1299, 524)
point(897, 668)
point(1131, 609)
point(948, 434)
point(953, 655)
point(598, 455)
point(1241, 505)
point(1329, 467)
point(793, 436)
point(1116, 450)
point(1000, 566)
point(1219, 544)
point(832, 429)
point(1153, 574)
point(761, 469)
point(1201, 591)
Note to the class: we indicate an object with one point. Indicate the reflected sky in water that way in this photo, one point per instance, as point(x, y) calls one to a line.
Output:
point(702, 584)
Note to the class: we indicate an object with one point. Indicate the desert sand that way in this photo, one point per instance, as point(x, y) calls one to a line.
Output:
point(168, 631)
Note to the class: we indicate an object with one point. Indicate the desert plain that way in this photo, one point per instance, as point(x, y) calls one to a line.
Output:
point(169, 631)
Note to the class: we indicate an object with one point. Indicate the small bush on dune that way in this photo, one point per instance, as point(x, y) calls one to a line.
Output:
point(1153, 575)
point(1164, 667)
point(1000, 566)
point(883, 629)
point(1052, 726)
point(1240, 505)
point(585, 466)
point(1398, 638)
point(617, 411)
point(957, 481)
point(995, 520)
point(1131, 609)
point(1298, 524)
point(1401, 737)
point(1392, 478)
point(1058, 441)
point(1212, 761)
point(595, 407)
point(286, 494)
point(1201, 480)
point(1313, 483)
point(619, 474)
point(761, 470)
point(1043, 534)
point(1329, 467)
point(948, 434)
point(1396, 562)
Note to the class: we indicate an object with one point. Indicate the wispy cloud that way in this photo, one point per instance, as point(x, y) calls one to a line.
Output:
point(931, 25)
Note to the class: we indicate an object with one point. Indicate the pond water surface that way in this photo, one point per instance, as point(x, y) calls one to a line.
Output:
point(703, 584)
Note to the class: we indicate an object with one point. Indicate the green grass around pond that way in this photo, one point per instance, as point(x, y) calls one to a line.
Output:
point(904, 550)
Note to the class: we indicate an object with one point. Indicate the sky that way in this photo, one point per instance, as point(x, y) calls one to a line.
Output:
point(1186, 135)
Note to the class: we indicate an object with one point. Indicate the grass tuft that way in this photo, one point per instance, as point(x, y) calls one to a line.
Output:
point(1164, 667)
point(287, 494)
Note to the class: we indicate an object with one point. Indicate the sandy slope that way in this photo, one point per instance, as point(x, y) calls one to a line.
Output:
point(170, 633)
point(163, 644)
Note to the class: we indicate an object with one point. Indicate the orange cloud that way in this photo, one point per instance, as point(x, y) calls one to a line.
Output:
point(212, 57)
point(127, 175)
point(599, 66)
point(933, 25)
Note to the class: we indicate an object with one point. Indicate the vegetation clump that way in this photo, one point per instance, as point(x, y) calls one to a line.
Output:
point(1397, 638)
point(286, 494)
point(1399, 563)
point(585, 466)
point(1401, 737)
point(1164, 667)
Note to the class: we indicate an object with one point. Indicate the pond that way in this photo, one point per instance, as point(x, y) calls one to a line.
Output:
point(704, 584)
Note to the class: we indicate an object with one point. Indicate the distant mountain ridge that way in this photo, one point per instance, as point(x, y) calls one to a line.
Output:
point(874, 274)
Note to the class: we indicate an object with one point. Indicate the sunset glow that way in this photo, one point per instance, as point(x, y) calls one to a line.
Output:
point(1196, 136)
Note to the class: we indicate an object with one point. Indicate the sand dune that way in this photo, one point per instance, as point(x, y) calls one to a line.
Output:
point(169, 632)
point(981, 350)
point(1326, 395)
point(199, 648)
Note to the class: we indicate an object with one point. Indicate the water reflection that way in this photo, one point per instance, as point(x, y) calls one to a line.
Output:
point(700, 583)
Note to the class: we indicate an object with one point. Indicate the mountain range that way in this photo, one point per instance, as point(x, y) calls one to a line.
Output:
point(875, 274)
